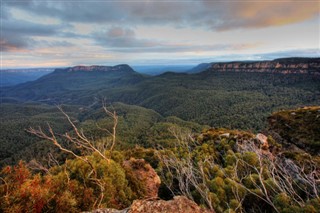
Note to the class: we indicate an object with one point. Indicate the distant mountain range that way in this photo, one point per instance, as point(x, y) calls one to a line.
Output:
point(10, 77)
point(159, 69)
point(200, 67)
point(205, 121)
point(245, 92)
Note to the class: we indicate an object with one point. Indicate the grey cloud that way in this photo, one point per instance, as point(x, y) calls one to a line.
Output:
point(216, 15)
point(168, 48)
point(17, 35)
point(44, 43)
point(14, 43)
point(120, 39)
point(4, 14)
point(28, 28)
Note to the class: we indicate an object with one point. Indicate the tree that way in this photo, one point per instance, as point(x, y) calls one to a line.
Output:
point(229, 171)
point(84, 144)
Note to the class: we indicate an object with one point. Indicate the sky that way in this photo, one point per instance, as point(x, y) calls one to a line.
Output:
point(60, 33)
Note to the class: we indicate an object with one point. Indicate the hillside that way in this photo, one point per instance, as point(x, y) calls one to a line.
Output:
point(169, 143)
point(300, 127)
point(137, 125)
point(10, 77)
point(217, 169)
point(200, 67)
point(221, 99)
point(69, 84)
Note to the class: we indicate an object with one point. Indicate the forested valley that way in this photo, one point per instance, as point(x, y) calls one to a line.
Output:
point(80, 138)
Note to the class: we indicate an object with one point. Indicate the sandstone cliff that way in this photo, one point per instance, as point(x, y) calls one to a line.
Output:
point(284, 66)
point(121, 67)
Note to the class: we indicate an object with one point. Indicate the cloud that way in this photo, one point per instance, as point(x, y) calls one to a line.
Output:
point(18, 35)
point(28, 28)
point(13, 44)
point(119, 39)
point(214, 15)
point(260, 14)
point(107, 30)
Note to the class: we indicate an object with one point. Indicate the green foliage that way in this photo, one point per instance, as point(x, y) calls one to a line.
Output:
point(68, 188)
point(137, 125)
point(227, 178)
point(16, 143)
point(300, 127)
point(230, 99)
point(236, 179)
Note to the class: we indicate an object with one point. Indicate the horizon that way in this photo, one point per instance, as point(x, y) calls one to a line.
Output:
point(149, 65)
point(53, 34)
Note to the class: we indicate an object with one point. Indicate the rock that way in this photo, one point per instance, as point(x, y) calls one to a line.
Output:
point(179, 204)
point(263, 141)
point(95, 68)
point(283, 65)
point(141, 171)
point(227, 135)
point(108, 211)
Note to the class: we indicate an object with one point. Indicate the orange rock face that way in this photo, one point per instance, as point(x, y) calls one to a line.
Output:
point(179, 204)
point(145, 174)
point(284, 66)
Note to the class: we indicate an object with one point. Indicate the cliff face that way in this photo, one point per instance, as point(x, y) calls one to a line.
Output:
point(121, 67)
point(284, 66)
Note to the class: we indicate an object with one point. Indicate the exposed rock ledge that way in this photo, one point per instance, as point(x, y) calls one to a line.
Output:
point(179, 204)
point(120, 67)
point(283, 66)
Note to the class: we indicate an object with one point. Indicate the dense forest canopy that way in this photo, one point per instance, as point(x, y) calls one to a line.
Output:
point(198, 132)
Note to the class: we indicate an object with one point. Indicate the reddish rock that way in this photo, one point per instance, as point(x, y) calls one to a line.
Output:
point(140, 170)
point(179, 204)
point(263, 141)
point(284, 66)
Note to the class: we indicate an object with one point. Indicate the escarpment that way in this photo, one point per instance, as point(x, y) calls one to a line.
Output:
point(284, 66)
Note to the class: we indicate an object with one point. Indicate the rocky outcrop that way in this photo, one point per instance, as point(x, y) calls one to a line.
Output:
point(121, 67)
point(299, 127)
point(179, 204)
point(283, 66)
point(108, 211)
point(263, 140)
point(139, 171)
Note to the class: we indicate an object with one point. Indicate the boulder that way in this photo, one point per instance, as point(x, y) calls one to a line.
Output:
point(179, 204)
point(143, 173)
point(263, 140)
